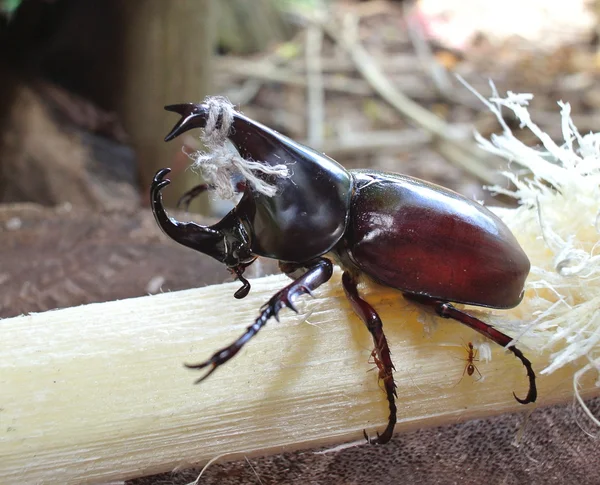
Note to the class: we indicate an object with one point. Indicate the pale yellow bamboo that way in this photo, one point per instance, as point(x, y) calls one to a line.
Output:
point(98, 392)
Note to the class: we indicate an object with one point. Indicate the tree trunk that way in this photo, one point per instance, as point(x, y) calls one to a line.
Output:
point(167, 47)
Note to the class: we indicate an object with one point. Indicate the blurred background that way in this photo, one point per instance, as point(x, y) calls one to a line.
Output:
point(371, 83)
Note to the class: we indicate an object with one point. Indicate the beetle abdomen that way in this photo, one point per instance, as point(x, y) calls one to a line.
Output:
point(424, 239)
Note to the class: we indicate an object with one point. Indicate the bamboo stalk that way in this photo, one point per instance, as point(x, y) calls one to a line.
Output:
point(98, 392)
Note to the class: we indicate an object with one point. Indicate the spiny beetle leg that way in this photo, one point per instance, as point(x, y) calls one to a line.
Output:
point(383, 358)
point(446, 310)
point(317, 273)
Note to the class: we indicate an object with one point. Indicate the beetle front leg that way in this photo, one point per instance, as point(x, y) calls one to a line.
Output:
point(383, 358)
point(447, 310)
point(317, 273)
point(186, 199)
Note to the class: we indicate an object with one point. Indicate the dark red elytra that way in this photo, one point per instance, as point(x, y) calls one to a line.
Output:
point(470, 366)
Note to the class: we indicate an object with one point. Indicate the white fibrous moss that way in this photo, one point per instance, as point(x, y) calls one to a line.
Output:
point(558, 226)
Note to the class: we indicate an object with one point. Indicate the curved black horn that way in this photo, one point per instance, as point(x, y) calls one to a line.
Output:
point(205, 239)
point(192, 116)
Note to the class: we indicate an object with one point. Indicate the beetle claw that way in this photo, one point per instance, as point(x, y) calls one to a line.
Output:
point(532, 393)
point(372, 441)
point(290, 305)
point(528, 399)
point(202, 366)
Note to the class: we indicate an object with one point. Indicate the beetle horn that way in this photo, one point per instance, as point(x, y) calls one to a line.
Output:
point(192, 116)
point(201, 238)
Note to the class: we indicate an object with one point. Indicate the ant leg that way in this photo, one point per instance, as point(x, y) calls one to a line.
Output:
point(475, 359)
point(383, 360)
point(318, 272)
point(446, 310)
point(378, 365)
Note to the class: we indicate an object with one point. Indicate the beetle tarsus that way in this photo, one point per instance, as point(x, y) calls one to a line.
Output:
point(532, 394)
point(447, 310)
point(317, 273)
point(202, 366)
point(386, 367)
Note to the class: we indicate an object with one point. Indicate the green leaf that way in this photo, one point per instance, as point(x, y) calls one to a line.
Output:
point(9, 7)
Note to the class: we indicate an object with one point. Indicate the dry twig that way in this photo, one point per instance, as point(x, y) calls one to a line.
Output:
point(462, 153)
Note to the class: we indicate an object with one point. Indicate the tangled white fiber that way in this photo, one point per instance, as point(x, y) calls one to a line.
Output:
point(220, 165)
point(558, 225)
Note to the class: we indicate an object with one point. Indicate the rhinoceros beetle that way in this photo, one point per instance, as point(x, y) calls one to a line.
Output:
point(433, 245)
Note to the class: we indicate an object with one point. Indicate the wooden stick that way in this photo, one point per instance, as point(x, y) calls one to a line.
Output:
point(98, 392)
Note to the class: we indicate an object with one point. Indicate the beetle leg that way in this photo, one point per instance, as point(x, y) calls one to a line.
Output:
point(447, 310)
point(318, 273)
point(186, 199)
point(383, 358)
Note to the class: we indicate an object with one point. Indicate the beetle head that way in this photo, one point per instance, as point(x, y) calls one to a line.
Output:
point(313, 201)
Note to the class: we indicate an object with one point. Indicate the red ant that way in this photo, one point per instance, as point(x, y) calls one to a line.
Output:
point(375, 361)
point(382, 375)
point(470, 367)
